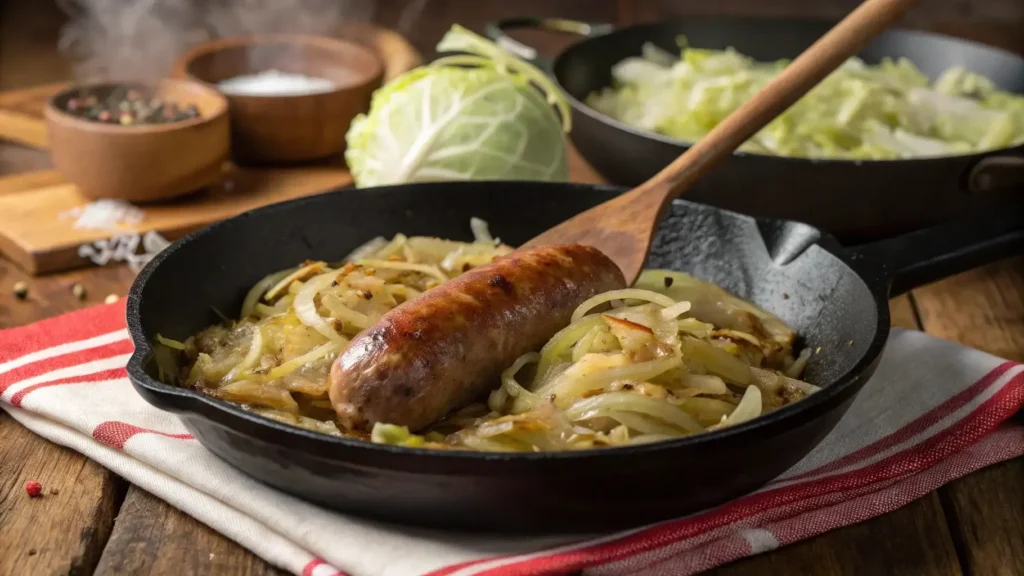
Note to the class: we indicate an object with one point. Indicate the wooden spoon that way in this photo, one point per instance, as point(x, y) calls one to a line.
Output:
point(623, 227)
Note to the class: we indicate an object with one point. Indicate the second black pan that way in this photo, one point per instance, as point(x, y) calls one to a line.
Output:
point(835, 298)
point(855, 201)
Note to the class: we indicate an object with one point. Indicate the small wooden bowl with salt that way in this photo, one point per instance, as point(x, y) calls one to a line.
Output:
point(291, 98)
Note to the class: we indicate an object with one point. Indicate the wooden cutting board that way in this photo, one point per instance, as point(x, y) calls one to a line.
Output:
point(37, 233)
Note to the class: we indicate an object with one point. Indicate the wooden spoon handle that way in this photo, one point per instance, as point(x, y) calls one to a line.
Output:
point(828, 53)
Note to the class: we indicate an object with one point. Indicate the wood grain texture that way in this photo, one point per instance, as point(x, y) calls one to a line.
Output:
point(34, 235)
point(984, 308)
point(153, 538)
point(67, 530)
point(61, 533)
point(29, 181)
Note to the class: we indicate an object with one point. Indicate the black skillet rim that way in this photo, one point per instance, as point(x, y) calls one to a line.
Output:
point(872, 275)
point(583, 108)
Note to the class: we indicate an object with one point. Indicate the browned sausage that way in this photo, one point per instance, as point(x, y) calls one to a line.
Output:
point(443, 349)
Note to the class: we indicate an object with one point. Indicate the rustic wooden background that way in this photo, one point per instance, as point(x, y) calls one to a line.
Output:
point(100, 524)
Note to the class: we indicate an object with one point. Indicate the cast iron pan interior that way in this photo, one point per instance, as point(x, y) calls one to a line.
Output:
point(832, 300)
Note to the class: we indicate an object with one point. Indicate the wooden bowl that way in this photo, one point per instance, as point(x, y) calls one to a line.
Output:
point(293, 128)
point(145, 162)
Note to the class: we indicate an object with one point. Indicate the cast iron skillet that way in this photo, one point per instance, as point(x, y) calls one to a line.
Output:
point(855, 201)
point(835, 298)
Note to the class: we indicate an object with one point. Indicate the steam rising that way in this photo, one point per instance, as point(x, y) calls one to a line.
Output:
point(141, 39)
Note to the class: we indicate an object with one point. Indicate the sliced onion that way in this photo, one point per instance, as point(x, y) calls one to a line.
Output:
point(313, 268)
point(706, 384)
point(170, 343)
point(707, 411)
point(581, 378)
point(340, 311)
point(481, 231)
point(799, 364)
point(256, 293)
point(366, 250)
point(251, 357)
point(402, 290)
point(673, 311)
point(300, 361)
point(582, 346)
point(771, 382)
point(427, 269)
point(512, 389)
point(642, 424)
point(748, 408)
point(611, 402)
point(305, 306)
point(563, 340)
point(717, 361)
point(626, 294)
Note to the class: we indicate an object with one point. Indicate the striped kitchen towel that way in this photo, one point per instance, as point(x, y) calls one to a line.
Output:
point(933, 412)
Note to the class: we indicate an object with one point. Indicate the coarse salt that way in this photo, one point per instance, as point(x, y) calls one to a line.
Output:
point(104, 214)
point(275, 83)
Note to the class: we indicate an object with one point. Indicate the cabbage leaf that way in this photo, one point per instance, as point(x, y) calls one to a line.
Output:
point(479, 115)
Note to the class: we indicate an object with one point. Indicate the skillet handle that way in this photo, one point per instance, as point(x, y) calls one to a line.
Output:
point(496, 31)
point(921, 257)
point(996, 173)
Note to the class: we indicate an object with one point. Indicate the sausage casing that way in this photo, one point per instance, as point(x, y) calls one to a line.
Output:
point(441, 350)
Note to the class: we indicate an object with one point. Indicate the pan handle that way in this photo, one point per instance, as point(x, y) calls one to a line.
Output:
point(996, 173)
point(496, 31)
point(921, 257)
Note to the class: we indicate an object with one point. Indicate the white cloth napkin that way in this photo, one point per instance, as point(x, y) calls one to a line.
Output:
point(934, 411)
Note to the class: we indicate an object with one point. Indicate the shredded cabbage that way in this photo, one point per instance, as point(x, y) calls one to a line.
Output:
point(871, 112)
point(474, 116)
point(672, 356)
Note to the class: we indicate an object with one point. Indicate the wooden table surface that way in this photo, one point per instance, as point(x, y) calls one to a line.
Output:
point(100, 524)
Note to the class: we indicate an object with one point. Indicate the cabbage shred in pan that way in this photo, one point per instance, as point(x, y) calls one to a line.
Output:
point(854, 200)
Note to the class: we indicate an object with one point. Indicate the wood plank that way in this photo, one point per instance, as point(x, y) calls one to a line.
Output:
point(15, 159)
point(22, 129)
point(152, 537)
point(984, 308)
point(29, 181)
point(35, 235)
point(61, 533)
point(902, 313)
point(66, 531)
point(911, 540)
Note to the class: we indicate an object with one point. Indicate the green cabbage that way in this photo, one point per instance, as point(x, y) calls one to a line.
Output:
point(481, 115)
point(885, 111)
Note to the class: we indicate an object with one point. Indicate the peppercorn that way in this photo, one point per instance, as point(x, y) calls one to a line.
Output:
point(20, 290)
point(79, 291)
point(127, 107)
point(54, 491)
point(34, 489)
point(668, 281)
